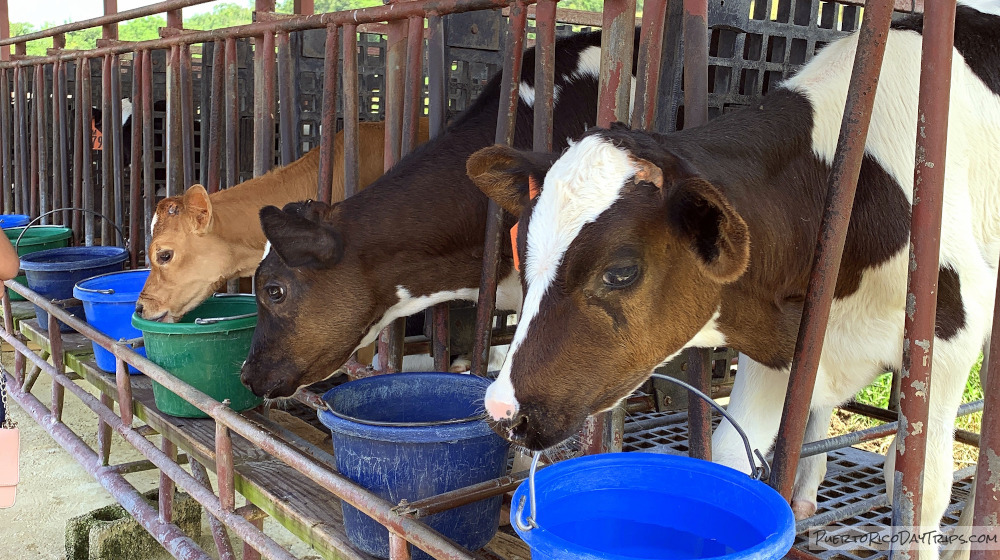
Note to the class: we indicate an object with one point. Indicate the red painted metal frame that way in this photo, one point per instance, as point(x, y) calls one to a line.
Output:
point(829, 249)
point(326, 150)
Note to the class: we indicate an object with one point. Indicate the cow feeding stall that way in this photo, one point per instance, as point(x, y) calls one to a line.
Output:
point(745, 47)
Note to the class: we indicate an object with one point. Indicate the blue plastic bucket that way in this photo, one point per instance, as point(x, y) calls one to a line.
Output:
point(108, 302)
point(53, 273)
point(629, 506)
point(13, 220)
point(414, 435)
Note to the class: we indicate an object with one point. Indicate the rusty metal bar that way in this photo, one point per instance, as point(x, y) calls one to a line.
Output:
point(545, 61)
point(390, 340)
point(166, 493)
point(327, 156)
point(136, 233)
point(352, 155)
point(124, 384)
point(506, 118)
point(829, 248)
point(216, 118)
point(467, 495)
point(64, 177)
point(104, 432)
point(36, 117)
point(150, 10)
point(618, 42)
point(170, 536)
point(288, 107)
point(232, 114)
point(110, 30)
point(57, 149)
point(695, 62)
point(399, 549)
point(79, 144)
point(224, 466)
point(263, 105)
point(115, 132)
point(219, 533)
point(987, 502)
point(187, 115)
point(303, 7)
point(107, 148)
point(921, 297)
point(413, 84)
point(650, 59)
point(87, 123)
point(17, 136)
point(4, 29)
point(257, 521)
point(56, 354)
point(174, 149)
point(437, 76)
point(148, 175)
point(6, 137)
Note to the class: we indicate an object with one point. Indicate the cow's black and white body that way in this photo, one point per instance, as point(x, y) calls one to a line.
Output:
point(643, 244)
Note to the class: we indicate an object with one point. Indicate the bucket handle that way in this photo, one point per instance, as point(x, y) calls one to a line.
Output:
point(757, 473)
point(106, 291)
point(50, 212)
point(214, 320)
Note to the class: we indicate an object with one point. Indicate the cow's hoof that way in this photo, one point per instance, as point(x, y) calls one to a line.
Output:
point(803, 509)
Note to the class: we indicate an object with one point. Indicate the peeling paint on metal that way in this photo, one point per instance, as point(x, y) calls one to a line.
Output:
point(918, 428)
point(911, 299)
point(993, 468)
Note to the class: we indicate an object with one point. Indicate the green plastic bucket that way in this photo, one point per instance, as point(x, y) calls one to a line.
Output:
point(206, 350)
point(37, 238)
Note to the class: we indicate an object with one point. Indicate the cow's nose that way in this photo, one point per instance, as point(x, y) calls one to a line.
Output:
point(138, 308)
point(500, 402)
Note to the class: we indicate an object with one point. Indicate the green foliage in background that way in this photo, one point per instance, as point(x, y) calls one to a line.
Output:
point(222, 15)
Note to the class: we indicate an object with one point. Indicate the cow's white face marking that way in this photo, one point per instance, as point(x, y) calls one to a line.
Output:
point(152, 224)
point(580, 186)
point(267, 251)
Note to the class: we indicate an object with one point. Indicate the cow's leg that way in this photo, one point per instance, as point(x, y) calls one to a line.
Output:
point(811, 470)
point(756, 403)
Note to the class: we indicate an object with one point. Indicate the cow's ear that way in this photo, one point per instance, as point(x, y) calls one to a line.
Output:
point(701, 216)
point(300, 242)
point(506, 175)
point(198, 207)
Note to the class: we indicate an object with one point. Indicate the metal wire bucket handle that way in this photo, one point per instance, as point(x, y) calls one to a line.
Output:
point(121, 235)
point(214, 320)
point(756, 472)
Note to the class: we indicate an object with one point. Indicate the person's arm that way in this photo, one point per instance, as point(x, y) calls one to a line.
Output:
point(9, 263)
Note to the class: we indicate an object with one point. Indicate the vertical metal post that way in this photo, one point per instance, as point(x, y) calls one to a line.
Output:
point(64, 129)
point(114, 132)
point(437, 75)
point(413, 86)
point(390, 340)
point(219, 533)
point(288, 108)
point(216, 118)
point(107, 153)
point(921, 296)
point(303, 7)
point(175, 155)
point(224, 466)
point(148, 176)
point(249, 552)
point(695, 30)
point(327, 156)
point(79, 144)
point(187, 115)
point(40, 128)
point(56, 353)
point(232, 114)
point(110, 31)
point(4, 29)
point(352, 154)
point(104, 431)
point(830, 245)
point(987, 504)
point(263, 105)
point(509, 99)
point(654, 15)
point(87, 167)
point(399, 549)
point(136, 233)
point(34, 116)
point(166, 497)
point(16, 139)
point(124, 384)
point(6, 135)
point(57, 150)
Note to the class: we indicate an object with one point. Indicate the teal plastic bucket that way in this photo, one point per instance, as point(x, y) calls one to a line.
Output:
point(645, 506)
point(109, 302)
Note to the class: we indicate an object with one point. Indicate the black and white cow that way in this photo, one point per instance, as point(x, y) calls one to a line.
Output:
point(640, 245)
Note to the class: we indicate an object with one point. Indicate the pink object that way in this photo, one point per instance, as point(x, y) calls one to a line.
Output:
point(9, 453)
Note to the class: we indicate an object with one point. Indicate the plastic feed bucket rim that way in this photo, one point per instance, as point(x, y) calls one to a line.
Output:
point(42, 261)
point(109, 295)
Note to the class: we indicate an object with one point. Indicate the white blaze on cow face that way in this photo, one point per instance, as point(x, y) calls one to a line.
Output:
point(267, 250)
point(580, 186)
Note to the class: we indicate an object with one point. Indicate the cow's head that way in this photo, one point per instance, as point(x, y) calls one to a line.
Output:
point(623, 258)
point(189, 259)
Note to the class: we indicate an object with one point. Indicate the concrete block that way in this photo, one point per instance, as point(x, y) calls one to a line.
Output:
point(110, 533)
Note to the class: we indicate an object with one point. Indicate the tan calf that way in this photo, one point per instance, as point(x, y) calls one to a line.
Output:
point(200, 241)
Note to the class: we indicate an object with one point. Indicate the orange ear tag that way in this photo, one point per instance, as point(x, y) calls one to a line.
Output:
point(533, 191)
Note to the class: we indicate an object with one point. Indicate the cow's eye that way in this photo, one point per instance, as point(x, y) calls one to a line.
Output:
point(163, 257)
point(275, 293)
point(620, 276)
